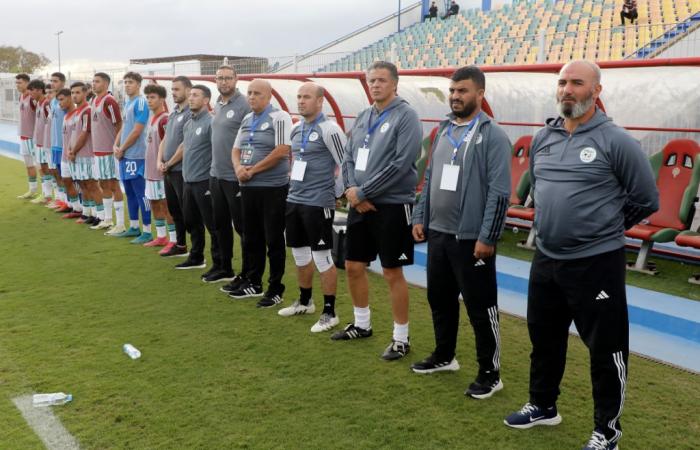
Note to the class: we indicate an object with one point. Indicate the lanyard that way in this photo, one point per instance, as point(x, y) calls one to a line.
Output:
point(372, 127)
point(255, 122)
point(305, 136)
point(468, 130)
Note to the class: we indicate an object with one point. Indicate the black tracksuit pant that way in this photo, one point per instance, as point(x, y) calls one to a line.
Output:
point(453, 270)
point(263, 227)
point(199, 214)
point(591, 292)
point(173, 196)
point(226, 202)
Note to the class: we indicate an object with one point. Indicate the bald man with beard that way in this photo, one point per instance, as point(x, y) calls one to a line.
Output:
point(261, 161)
point(590, 182)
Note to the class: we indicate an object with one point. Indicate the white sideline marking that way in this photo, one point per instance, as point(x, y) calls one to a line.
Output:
point(45, 425)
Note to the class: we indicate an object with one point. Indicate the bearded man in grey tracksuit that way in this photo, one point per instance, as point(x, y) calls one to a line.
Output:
point(462, 212)
point(591, 181)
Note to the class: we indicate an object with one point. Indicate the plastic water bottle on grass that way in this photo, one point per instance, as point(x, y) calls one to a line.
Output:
point(131, 351)
point(58, 398)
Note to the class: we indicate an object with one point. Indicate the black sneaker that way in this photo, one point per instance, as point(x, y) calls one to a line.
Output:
point(351, 332)
point(269, 300)
point(486, 384)
point(396, 350)
point(599, 442)
point(216, 276)
point(175, 250)
point(232, 285)
point(531, 415)
point(247, 289)
point(95, 221)
point(190, 264)
point(90, 221)
point(431, 365)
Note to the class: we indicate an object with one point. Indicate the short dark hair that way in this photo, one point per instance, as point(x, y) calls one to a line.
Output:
point(184, 80)
point(155, 89)
point(104, 76)
point(79, 84)
point(133, 76)
point(205, 90)
point(22, 76)
point(59, 75)
point(227, 67)
point(64, 92)
point(470, 73)
point(37, 84)
point(393, 71)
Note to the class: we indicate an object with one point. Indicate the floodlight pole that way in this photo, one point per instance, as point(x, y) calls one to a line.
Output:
point(58, 37)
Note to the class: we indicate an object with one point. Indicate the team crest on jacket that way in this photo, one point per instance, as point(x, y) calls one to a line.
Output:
point(313, 136)
point(265, 126)
point(229, 114)
point(179, 119)
point(384, 127)
point(198, 131)
point(588, 154)
point(479, 138)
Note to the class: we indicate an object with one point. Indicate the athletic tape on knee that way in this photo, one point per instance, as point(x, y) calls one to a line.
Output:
point(323, 260)
point(302, 256)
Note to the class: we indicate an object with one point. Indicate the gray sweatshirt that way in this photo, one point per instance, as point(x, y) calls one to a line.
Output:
point(224, 129)
point(196, 157)
point(481, 199)
point(588, 187)
point(390, 175)
point(174, 134)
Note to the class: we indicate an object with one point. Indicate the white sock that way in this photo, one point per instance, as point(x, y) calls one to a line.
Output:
point(77, 207)
point(160, 231)
point(172, 236)
point(146, 228)
point(108, 202)
point(362, 317)
point(401, 332)
point(32, 186)
point(46, 188)
point(133, 224)
point(100, 213)
point(119, 212)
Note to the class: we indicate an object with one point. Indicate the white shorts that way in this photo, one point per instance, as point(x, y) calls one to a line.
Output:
point(81, 169)
point(105, 167)
point(43, 155)
point(51, 161)
point(155, 190)
point(65, 169)
point(27, 150)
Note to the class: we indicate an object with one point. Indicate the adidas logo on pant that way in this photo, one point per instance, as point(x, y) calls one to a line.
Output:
point(321, 242)
point(479, 262)
point(602, 295)
point(403, 257)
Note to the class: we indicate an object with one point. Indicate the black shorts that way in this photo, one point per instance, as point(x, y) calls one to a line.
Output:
point(386, 232)
point(309, 226)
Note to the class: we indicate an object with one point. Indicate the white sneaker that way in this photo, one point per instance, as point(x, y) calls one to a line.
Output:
point(102, 225)
point(117, 229)
point(297, 309)
point(325, 323)
point(27, 195)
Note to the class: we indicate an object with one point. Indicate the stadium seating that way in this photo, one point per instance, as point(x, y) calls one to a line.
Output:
point(690, 239)
point(677, 169)
point(511, 34)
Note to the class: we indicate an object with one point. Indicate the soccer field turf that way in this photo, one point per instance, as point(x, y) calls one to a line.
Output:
point(217, 373)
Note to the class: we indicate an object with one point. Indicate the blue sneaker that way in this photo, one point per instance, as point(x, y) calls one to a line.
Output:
point(531, 415)
point(143, 238)
point(599, 442)
point(131, 232)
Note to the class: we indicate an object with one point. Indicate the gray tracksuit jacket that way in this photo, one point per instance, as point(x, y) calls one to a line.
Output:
point(588, 187)
point(485, 184)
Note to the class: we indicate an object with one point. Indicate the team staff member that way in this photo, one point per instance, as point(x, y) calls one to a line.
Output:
point(196, 163)
point(230, 108)
point(130, 150)
point(590, 181)
point(170, 163)
point(380, 176)
point(106, 125)
point(462, 211)
point(261, 158)
point(317, 148)
point(27, 118)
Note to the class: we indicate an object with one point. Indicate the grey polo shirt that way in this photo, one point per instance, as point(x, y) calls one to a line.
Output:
point(224, 129)
point(196, 158)
point(174, 134)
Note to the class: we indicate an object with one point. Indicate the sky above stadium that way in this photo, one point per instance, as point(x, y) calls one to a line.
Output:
point(108, 34)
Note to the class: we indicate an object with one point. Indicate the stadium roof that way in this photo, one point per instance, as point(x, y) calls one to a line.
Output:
point(197, 57)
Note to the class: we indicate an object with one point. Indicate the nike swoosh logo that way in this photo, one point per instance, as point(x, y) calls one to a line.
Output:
point(532, 419)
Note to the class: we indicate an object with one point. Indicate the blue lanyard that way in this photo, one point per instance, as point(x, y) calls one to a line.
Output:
point(457, 142)
point(255, 122)
point(305, 136)
point(372, 127)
